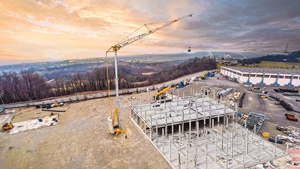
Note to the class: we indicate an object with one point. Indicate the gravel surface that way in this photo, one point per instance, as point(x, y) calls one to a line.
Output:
point(79, 140)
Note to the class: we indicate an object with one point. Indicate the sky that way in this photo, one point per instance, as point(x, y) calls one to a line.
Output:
point(50, 30)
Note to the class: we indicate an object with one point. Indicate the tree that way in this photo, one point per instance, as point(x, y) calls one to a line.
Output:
point(77, 82)
point(91, 81)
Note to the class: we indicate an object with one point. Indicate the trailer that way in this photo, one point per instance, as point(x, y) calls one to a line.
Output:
point(254, 121)
point(289, 90)
point(224, 92)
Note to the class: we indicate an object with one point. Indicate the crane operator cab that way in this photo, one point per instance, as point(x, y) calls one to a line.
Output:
point(189, 50)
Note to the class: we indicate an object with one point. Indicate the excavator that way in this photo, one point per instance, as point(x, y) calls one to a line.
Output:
point(114, 120)
point(161, 94)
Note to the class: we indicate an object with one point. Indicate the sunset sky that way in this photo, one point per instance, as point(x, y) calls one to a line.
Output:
point(49, 30)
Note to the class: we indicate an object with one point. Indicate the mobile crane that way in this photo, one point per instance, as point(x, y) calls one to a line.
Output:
point(161, 93)
point(114, 120)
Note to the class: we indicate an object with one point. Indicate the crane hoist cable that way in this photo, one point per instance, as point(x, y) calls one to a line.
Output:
point(189, 38)
point(108, 86)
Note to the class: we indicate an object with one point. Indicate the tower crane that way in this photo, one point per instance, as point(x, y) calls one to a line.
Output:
point(266, 50)
point(286, 49)
point(114, 120)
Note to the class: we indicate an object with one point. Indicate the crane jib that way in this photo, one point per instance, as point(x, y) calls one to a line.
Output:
point(126, 42)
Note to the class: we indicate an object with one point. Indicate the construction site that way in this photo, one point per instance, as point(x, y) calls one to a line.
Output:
point(189, 127)
point(202, 120)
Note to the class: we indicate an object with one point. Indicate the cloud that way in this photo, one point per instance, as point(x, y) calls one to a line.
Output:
point(66, 29)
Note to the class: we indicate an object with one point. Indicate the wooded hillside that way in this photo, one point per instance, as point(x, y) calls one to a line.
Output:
point(28, 85)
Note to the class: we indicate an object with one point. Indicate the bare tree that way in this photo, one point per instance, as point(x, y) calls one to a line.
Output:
point(77, 82)
point(91, 81)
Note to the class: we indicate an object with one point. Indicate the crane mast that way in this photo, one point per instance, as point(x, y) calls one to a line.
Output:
point(118, 129)
point(286, 49)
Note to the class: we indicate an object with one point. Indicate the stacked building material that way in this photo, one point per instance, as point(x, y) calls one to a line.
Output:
point(224, 92)
point(241, 100)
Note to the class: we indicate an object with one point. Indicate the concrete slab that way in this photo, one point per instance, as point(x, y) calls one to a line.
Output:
point(32, 124)
point(179, 111)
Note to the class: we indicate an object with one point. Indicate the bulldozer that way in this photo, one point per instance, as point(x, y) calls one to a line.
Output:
point(7, 126)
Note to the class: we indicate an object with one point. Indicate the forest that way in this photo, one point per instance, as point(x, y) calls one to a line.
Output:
point(28, 85)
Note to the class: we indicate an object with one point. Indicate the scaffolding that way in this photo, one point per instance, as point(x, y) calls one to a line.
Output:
point(199, 132)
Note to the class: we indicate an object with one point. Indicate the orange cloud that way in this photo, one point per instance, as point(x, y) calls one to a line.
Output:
point(44, 30)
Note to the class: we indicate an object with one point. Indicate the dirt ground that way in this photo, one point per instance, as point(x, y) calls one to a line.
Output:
point(79, 140)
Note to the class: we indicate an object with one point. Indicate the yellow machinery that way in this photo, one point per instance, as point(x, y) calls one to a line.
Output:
point(7, 126)
point(265, 134)
point(115, 122)
point(161, 93)
point(55, 104)
point(203, 76)
point(264, 96)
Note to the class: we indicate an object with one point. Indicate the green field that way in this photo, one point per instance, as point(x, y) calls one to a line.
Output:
point(284, 65)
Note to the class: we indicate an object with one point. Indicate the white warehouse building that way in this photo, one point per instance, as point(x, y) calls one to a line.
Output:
point(263, 76)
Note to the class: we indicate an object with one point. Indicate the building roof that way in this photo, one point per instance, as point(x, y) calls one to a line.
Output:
point(265, 70)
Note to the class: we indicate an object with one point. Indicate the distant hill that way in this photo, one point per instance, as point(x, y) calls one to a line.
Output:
point(90, 63)
point(28, 85)
point(190, 66)
point(187, 56)
point(291, 57)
